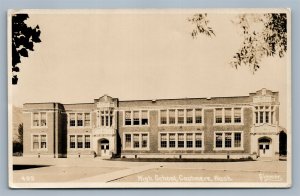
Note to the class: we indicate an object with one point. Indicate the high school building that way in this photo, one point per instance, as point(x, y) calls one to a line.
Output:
point(216, 127)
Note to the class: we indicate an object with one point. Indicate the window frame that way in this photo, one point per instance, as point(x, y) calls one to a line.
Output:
point(83, 113)
point(140, 148)
point(76, 141)
point(232, 148)
point(39, 149)
point(39, 119)
point(176, 116)
point(140, 111)
point(232, 115)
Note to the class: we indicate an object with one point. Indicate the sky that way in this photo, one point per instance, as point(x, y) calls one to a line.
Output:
point(136, 55)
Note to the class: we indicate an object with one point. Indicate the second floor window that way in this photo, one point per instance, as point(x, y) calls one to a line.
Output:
point(228, 115)
point(136, 118)
point(79, 119)
point(39, 119)
point(264, 114)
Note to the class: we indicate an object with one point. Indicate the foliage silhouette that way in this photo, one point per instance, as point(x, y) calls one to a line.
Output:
point(23, 39)
point(264, 35)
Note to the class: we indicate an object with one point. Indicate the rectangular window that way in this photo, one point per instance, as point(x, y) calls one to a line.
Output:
point(171, 116)
point(180, 140)
point(144, 117)
point(189, 116)
point(218, 115)
point(256, 117)
point(144, 140)
point(189, 140)
point(136, 117)
point(128, 118)
point(198, 140)
point(261, 117)
point(35, 144)
point(102, 118)
point(72, 141)
point(163, 140)
point(72, 119)
point(79, 141)
point(43, 141)
point(267, 117)
point(237, 115)
point(219, 140)
point(136, 140)
point(227, 115)
point(87, 119)
point(272, 117)
point(198, 115)
point(43, 119)
point(163, 117)
point(180, 118)
point(172, 140)
point(79, 119)
point(87, 141)
point(36, 121)
point(228, 140)
point(127, 141)
point(237, 140)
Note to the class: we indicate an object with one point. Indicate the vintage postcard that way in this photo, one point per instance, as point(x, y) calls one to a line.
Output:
point(162, 98)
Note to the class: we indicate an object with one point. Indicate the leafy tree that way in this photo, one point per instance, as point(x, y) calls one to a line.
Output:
point(20, 133)
point(264, 35)
point(23, 39)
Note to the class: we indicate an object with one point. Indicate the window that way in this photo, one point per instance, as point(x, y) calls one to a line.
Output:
point(39, 141)
point(219, 141)
point(227, 140)
point(127, 118)
point(171, 116)
point(36, 121)
point(261, 117)
point(106, 118)
point(144, 117)
point(180, 140)
point(43, 119)
point(136, 140)
point(198, 115)
point(102, 118)
point(79, 119)
point(35, 142)
point(127, 140)
point(72, 141)
point(87, 119)
point(227, 115)
point(189, 116)
point(256, 117)
point(144, 140)
point(43, 141)
point(237, 140)
point(189, 140)
point(267, 117)
point(39, 119)
point(218, 115)
point(87, 141)
point(79, 141)
point(72, 119)
point(172, 140)
point(198, 140)
point(136, 117)
point(237, 115)
point(163, 117)
point(163, 140)
point(180, 118)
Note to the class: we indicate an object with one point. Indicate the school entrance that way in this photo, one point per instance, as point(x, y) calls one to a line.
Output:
point(103, 148)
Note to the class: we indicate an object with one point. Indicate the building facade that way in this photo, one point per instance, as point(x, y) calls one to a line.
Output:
point(217, 127)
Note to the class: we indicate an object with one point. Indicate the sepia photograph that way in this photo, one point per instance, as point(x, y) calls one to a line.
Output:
point(149, 98)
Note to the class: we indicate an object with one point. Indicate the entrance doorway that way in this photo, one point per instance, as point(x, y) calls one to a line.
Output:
point(103, 147)
point(264, 146)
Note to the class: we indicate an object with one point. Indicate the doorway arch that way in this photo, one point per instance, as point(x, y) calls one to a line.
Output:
point(265, 147)
point(282, 143)
point(103, 147)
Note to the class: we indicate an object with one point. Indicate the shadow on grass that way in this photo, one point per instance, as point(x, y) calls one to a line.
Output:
point(22, 167)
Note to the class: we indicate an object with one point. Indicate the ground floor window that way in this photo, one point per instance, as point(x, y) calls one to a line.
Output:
point(79, 141)
point(228, 140)
point(136, 141)
point(39, 141)
point(189, 140)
